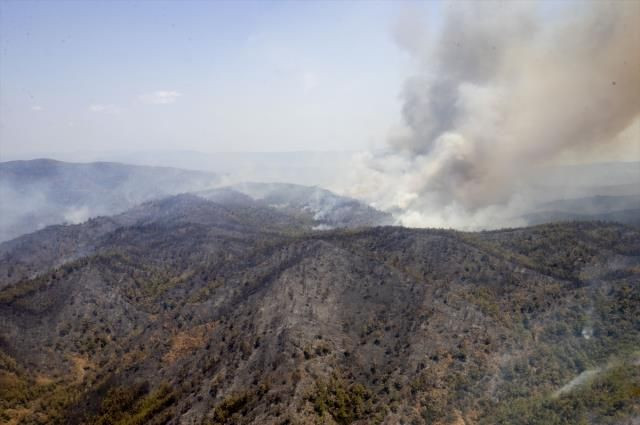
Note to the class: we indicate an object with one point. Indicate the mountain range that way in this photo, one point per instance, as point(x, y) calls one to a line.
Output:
point(227, 307)
point(44, 192)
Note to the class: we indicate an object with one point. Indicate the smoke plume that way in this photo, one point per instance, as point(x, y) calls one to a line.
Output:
point(501, 89)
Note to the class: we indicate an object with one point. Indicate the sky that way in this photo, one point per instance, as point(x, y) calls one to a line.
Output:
point(206, 76)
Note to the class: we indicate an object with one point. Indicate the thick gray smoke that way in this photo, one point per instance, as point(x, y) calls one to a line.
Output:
point(502, 89)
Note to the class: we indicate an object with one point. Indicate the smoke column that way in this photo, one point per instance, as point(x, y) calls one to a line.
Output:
point(502, 89)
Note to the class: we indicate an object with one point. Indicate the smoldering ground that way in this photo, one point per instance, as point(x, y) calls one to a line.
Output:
point(501, 91)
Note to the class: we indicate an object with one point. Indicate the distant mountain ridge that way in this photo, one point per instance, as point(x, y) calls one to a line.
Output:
point(37, 193)
point(322, 208)
point(44, 192)
point(621, 209)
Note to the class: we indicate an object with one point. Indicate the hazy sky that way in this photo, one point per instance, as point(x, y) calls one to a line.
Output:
point(208, 76)
point(453, 107)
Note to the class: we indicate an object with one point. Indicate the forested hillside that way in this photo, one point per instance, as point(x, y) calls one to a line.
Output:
point(189, 311)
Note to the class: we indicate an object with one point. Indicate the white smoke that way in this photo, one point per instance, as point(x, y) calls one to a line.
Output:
point(503, 89)
point(76, 215)
point(585, 377)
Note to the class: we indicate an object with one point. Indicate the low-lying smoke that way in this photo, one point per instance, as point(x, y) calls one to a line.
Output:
point(502, 89)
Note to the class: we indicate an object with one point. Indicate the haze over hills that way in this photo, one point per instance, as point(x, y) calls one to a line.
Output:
point(38, 193)
point(596, 191)
point(184, 310)
point(309, 168)
point(42, 192)
point(324, 208)
point(623, 209)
